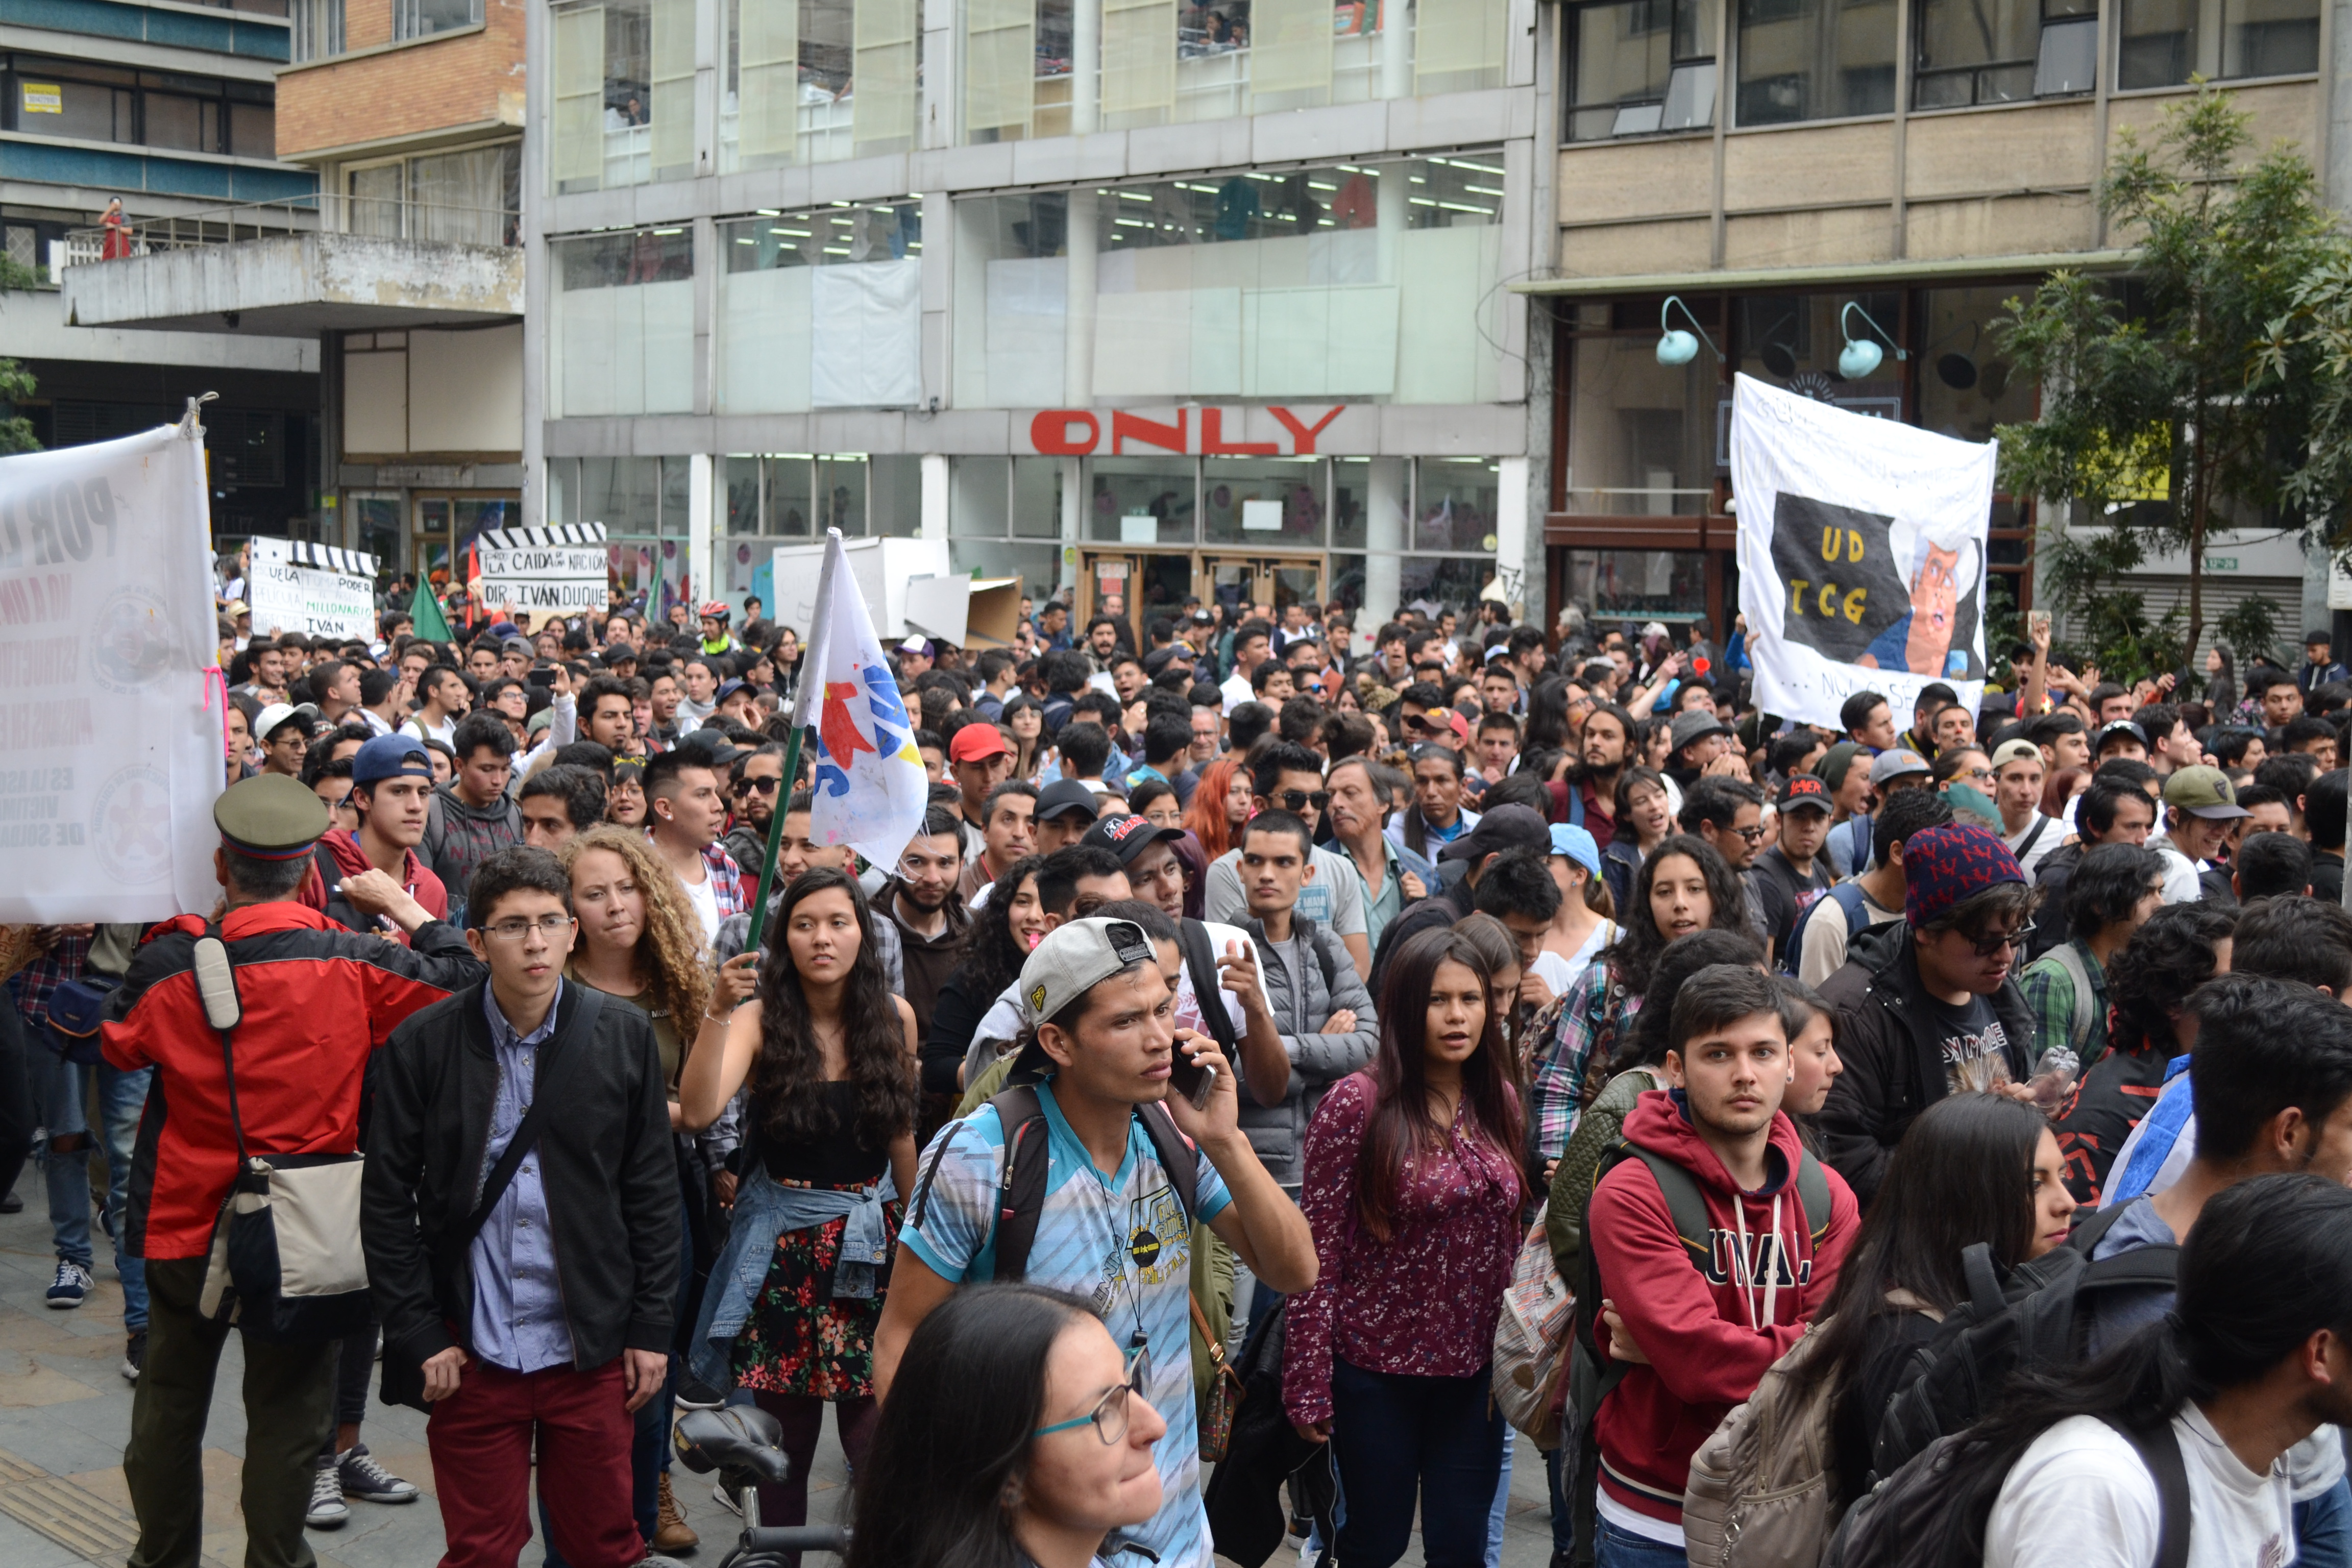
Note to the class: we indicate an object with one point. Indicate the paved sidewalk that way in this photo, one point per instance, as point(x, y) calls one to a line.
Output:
point(65, 1413)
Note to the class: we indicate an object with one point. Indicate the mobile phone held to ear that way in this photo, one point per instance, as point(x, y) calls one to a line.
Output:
point(1194, 1080)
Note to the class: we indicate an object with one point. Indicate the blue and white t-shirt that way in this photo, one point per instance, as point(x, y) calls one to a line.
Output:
point(1119, 1241)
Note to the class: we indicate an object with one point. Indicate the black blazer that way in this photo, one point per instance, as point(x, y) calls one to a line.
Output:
point(606, 1164)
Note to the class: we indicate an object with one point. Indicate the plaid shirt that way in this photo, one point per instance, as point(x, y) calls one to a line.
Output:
point(2050, 996)
point(1564, 1041)
point(726, 881)
point(39, 981)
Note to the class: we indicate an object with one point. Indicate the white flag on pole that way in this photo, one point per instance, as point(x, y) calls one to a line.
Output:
point(871, 790)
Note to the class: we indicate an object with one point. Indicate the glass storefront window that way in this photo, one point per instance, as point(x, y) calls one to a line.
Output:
point(1057, 67)
point(1966, 387)
point(980, 498)
point(1264, 502)
point(1641, 66)
point(896, 495)
point(808, 81)
point(1644, 583)
point(1143, 500)
point(739, 481)
point(1641, 435)
point(1815, 59)
point(1453, 505)
point(2165, 42)
point(820, 309)
point(791, 503)
point(1037, 565)
point(623, 94)
point(624, 330)
point(1370, 282)
point(840, 500)
point(2002, 52)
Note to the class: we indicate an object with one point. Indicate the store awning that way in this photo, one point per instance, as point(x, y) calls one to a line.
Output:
point(1799, 279)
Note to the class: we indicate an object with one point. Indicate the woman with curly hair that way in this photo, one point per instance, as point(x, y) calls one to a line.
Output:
point(1683, 886)
point(829, 1145)
point(996, 944)
point(1024, 716)
point(1221, 804)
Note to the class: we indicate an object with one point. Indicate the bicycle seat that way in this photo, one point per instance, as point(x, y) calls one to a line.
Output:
point(733, 1437)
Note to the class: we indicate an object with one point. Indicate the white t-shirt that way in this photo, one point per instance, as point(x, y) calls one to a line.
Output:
point(1237, 690)
point(2079, 1498)
point(2052, 834)
point(1555, 972)
point(704, 897)
point(2180, 884)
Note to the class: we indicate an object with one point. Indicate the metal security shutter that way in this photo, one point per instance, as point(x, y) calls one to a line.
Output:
point(2223, 593)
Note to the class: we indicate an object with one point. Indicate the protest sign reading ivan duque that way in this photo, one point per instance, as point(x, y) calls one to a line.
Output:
point(1862, 553)
point(111, 738)
point(560, 570)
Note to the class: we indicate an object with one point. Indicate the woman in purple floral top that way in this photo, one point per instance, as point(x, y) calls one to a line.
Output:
point(1414, 1191)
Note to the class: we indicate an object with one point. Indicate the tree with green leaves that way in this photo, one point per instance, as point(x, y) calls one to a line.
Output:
point(16, 380)
point(2178, 381)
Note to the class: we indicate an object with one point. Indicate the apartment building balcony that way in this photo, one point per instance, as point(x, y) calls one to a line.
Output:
point(296, 268)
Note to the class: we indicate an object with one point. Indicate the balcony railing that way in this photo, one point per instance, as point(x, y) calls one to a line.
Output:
point(325, 211)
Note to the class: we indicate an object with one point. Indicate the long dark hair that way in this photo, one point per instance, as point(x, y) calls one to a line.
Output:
point(1634, 953)
point(989, 959)
point(2259, 1275)
point(1633, 776)
point(1547, 716)
point(788, 1077)
point(1643, 1044)
point(2150, 977)
point(1962, 1175)
point(1401, 1124)
point(954, 1442)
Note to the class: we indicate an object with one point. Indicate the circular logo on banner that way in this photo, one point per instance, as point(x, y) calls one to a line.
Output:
point(134, 641)
point(131, 826)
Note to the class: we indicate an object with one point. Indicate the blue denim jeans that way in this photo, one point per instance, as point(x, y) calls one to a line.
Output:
point(1615, 1548)
point(1502, 1503)
point(2322, 1529)
point(58, 1090)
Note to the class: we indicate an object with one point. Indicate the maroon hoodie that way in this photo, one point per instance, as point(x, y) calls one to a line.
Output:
point(350, 859)
point(1711, 1333)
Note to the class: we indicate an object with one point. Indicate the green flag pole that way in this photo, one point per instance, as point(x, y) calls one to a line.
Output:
point(775, 840)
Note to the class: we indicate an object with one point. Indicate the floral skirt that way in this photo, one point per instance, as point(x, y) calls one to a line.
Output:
point(799, 1339)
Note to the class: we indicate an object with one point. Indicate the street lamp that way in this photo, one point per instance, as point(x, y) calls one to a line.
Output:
point(1678, 347)
point(1861, 356)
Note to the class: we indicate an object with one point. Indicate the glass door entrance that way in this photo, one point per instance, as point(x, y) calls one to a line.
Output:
point(445, 525)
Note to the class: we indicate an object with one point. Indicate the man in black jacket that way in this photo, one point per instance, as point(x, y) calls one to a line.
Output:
point(1927, 1005)
point(526, 1264)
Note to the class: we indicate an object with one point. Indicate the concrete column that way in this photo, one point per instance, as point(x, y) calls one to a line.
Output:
point(1086, 68)
point(1384, 529)
point(1078, 319)
point(699, 557)
point(935, 495)
point(1396, 50)
point(1074, 518)
point(1511, 532)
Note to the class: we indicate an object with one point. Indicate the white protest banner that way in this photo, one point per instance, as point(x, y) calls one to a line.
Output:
point(563, 570)
point(315, 589)
point(111, 741)
point(1862, 554)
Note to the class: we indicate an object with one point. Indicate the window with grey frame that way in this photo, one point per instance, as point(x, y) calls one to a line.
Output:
point(1815, 59)
point(317, 30)
point(1974, 52)
point(2163, 43)
point(1640, 66)
point(423, 19)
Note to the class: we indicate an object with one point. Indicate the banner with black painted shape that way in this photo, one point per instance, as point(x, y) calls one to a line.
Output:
point(1862, 554)
point(317, 590)
point(551, 571)
point(113, 748)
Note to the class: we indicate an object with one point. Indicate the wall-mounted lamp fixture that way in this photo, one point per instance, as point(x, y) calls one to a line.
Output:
point(1861, 356)
point(1678, 347)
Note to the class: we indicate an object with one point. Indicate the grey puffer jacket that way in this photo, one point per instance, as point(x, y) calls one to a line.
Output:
point(1317, 1060)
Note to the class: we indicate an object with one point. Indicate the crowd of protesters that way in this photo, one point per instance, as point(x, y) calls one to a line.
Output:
point(1269, 1003)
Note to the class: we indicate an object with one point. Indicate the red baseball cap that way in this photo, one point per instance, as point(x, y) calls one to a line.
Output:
point(974, 742)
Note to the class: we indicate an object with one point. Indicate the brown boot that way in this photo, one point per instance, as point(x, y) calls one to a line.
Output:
point(671, 1532)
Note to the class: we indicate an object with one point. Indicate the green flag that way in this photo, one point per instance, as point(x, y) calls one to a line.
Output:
point(425, 610)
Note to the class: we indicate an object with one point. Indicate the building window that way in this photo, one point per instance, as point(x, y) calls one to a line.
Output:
point(470, 198)
point(87, 103)
point(1641, 584)
point(1815, 59)
point(623, 94)
point(2004, 51)
point(2165, 42)
point(821, 309)
point(622, 337)
point(1641, 435)
point(810, 80)
point(1367, 282)
point(423, 19)
point(1640, 67)
point(1055, 67)
point(317, 29)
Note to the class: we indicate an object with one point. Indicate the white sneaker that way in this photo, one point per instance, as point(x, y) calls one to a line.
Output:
point(328, 1509)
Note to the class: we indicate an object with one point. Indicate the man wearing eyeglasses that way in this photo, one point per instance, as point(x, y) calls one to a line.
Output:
point(1928, 1005)
point(1289, 777)
point(524, 1254)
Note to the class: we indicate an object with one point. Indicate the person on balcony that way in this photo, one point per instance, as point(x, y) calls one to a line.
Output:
point(117, 240)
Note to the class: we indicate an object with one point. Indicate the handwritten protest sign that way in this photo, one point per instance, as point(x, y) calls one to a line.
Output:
point(315, 589)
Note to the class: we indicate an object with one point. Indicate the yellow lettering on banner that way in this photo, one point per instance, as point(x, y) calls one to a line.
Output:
point(1796, 597)
point(1827, 602)
point(1853, 603)
point(1852, 545)
point(1829, 542)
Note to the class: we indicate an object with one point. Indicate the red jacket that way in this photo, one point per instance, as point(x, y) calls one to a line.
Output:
point(318, 1001)
point(1707, 1351)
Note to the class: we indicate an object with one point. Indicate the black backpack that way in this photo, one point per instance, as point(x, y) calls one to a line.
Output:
point(2034, 1320)
point(1589, 1381)
point(1882, 1529)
